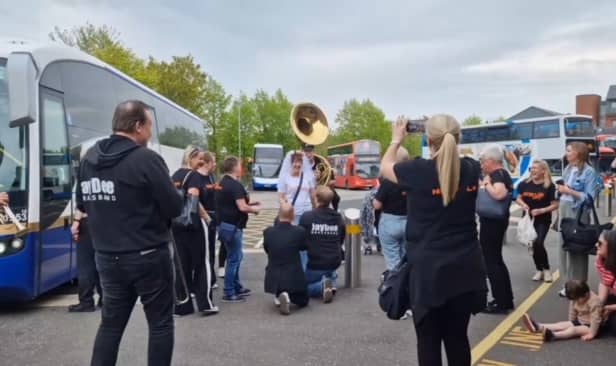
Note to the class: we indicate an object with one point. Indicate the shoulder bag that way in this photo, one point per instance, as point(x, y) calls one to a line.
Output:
point(491, 208)
point(580, 238)
point(190, 207)
point(394, 290)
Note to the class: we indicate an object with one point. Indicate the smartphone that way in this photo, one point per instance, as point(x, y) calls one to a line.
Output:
point(413, 127)
point(560, 182)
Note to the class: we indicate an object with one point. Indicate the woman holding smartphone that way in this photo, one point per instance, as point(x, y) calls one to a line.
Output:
point(579, 182)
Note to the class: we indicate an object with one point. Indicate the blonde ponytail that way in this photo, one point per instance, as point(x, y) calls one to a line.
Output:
point(444, 132)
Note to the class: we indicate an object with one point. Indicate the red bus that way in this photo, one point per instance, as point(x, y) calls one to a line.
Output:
point(356, 164)
point(607, 152)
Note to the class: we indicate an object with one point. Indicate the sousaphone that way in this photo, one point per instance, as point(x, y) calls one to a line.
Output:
point(310, 126)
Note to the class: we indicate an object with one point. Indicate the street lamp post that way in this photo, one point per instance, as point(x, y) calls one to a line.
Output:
point(239, 128)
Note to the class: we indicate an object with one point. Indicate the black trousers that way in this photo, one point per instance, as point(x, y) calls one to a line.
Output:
point(196, 269)
point(540, 255)
point(125, 277)
point(446, 324)
point(211, 241)
point(300, 299)
point(491, 236)
point(86, 266)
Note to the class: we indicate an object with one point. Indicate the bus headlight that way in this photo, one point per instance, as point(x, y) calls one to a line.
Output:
point(2, 248)
point(17, 244)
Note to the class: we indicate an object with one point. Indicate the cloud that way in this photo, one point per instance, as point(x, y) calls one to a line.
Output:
point(413, 57)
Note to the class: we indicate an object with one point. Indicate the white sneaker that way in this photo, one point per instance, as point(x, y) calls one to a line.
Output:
point(562, 293)
point(538, 276)
point(285, 303)
point(547, 276)
point(276, 301)
point(214, 286)
point(407, 315)
point(221, 272)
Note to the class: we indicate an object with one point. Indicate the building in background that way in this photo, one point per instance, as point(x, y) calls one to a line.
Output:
point(603, 112)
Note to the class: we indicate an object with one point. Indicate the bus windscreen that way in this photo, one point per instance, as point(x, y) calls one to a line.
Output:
point(579, 127)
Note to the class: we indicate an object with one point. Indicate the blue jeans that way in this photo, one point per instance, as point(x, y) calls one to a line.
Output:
point(232, 269)
point(124, 277)
point(392, 230)
point(316, 280)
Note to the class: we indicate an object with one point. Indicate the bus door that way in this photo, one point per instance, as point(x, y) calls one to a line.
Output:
point(57, 255)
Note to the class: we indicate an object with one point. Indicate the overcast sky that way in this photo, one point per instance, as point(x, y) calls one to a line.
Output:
point(410, 57)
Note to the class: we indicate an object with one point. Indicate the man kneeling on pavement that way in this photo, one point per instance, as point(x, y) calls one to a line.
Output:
point(325, 231)
point(284, 275)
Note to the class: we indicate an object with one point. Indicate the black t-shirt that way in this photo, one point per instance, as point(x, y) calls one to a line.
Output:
point(537, 196)
point(208, 183)
point(392, 197)
point(502, 176)
point(226, 208)
point(419, 179)
point(443, 250)
point(192, 181)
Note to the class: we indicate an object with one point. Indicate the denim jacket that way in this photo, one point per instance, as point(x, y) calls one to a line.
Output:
point(585, 181)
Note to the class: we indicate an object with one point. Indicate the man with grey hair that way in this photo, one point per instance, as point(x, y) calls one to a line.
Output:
point(498, 184)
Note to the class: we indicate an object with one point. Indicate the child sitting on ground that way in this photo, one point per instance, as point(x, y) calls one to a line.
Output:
point(584, 316)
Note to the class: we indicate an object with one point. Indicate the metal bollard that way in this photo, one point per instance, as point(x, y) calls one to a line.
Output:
point(610, 194)
point(352, 249)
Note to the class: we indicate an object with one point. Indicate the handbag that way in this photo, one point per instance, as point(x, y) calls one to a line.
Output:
point(491, 208)
point(580, 238)
point(299, 187)
point(394, 289)
point(226, 232)
point(190, 207)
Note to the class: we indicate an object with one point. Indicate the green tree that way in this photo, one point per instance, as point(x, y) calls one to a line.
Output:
point(361, 120)
point(215, 104)
point(472, 121)
point(103, 43)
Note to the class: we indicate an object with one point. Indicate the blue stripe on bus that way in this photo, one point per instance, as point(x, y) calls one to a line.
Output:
point(22, 277)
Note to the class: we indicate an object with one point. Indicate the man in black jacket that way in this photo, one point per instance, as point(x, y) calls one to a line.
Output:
point(325, 232)
point(284, 275)
point(125, 189)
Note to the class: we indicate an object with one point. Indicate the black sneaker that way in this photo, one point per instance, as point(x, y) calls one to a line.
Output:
point(531, 324)
point(285, 303)
point(81, 308)
point(244, 292)
point(497, 309)
point(100, 302)
point(548, 335)
point(233, 299)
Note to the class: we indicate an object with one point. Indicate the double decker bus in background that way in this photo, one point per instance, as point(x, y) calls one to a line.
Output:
point(356, 164)
point(606, 145)
point(55, 102)
point(524, 140)
point(267, 160)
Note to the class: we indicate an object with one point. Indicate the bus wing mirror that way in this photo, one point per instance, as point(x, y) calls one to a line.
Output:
point(22, 73)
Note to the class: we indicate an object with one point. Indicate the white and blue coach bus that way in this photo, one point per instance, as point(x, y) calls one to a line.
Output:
point(267, 161)
point(524, 140)
point(55, 102)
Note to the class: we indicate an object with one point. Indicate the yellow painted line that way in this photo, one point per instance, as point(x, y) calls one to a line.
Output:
point(499, 332)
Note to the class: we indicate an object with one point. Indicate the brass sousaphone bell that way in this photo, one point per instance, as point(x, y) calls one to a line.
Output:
point(310, 126)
